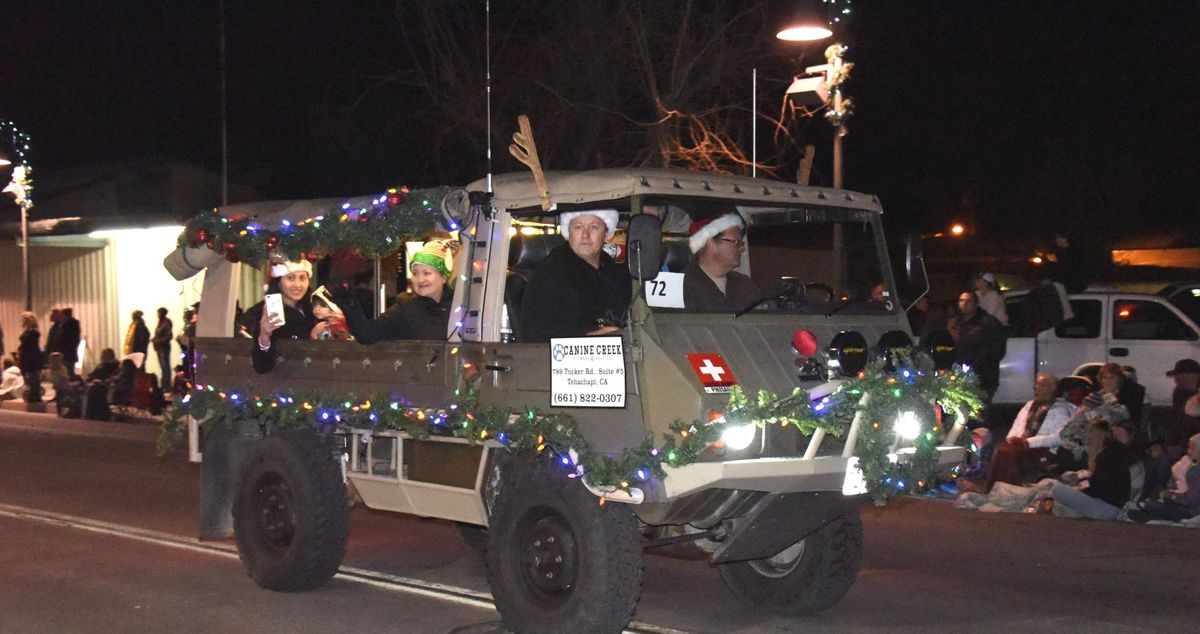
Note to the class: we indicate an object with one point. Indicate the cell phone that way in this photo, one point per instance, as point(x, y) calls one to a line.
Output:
point(274, 304)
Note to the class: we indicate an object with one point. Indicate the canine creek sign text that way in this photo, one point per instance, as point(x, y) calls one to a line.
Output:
point(587, 372)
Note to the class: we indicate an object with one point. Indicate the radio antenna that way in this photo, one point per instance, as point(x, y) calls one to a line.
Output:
point(488, 82)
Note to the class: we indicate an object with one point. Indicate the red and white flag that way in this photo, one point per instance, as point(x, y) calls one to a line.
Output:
point(713, 372)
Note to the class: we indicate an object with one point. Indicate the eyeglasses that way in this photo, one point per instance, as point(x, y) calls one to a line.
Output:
point(736, 243)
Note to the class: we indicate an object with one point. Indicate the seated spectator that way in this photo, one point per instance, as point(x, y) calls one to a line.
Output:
point(68, 389)
point(1186, 374)
point(120, 391)
point(13, 382)
point(1128, 392)
point(1034, 436)
point(1176, 506)
point(330, 323)
point(421, 314)
point(710, 282)
point(1077, 446)
point(1108, 487)
point(1179, 472)
point(106, 369)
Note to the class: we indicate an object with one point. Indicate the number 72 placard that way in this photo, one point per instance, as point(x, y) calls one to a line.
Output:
point(665, 291)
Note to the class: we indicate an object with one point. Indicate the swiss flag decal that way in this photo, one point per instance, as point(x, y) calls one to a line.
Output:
point(713, 372)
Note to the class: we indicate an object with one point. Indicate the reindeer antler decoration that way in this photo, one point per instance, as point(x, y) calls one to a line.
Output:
point(525, 150)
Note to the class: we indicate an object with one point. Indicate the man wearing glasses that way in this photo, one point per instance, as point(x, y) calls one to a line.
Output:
point(710, 282)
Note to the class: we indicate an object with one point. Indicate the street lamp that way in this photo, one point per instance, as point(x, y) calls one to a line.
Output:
point(825, 87)
point(805, 25)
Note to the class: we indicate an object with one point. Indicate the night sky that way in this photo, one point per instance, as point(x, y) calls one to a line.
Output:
point(1014, 114)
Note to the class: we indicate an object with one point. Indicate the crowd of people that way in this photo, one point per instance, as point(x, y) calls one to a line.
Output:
point(1085, 445)
point(56, 360)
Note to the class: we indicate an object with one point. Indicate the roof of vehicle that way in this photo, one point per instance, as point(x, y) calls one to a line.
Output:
point(519, 191)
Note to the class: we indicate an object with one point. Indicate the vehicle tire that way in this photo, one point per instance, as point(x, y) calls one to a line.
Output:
point(807, 577)
point(290, 516)
point(558, 560)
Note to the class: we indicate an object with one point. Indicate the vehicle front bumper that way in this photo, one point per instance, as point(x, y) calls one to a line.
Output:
point(774, 475)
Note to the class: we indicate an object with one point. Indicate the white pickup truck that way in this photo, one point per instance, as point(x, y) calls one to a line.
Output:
point(1146, 332)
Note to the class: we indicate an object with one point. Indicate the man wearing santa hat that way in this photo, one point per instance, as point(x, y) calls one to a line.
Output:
point(710, 282)
point(577, 289)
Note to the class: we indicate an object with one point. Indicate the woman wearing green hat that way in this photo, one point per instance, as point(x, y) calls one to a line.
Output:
point(420, 314)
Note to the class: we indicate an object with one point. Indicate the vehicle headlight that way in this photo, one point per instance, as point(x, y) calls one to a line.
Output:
point(738, 437)
point(908, 427)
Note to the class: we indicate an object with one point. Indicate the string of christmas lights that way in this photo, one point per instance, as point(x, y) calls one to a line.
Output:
point(376, 228)
point(914, 387)
point(20, 141)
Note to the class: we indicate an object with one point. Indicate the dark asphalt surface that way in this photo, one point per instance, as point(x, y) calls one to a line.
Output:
point(927, 566)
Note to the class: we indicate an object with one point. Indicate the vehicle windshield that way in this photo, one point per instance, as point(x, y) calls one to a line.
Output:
point(788, 255)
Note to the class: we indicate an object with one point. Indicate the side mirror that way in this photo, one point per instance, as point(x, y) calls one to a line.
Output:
point(644, 247)
point(914, 262)
point(913, 255)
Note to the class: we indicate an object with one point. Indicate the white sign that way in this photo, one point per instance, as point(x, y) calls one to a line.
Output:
point(665, 291)
point(854, 483)
point(587, 372)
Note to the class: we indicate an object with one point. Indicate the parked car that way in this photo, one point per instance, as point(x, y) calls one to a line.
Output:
point(1145, 332)
point(1186, 297)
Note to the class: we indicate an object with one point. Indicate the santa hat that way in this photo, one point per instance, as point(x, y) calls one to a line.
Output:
point(704, 230)
point(322, 295)
point(607, 216)
point(435, 255)
point(279, 269)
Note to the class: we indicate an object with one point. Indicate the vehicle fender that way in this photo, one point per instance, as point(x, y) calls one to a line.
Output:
point(779, 520)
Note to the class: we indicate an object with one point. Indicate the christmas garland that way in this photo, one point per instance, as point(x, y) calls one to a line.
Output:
point(914, 387)
point(374, 229)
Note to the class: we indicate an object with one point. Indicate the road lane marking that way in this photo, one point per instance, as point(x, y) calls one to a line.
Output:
point(374, 578)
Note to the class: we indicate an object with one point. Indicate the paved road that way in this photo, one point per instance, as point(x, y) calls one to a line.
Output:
point(927, 566)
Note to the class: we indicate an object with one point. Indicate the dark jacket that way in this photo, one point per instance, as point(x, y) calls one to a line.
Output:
point(566, 296)
point(29, 355)
point(53, 338)
point(980, 343)
point(1133, 396)
point(1110, 480)
point(103, 371)
point(141, 338)
point(297, 324)
point(700, 292)
point(164, 330)
point(411, 318)
point(68, 341)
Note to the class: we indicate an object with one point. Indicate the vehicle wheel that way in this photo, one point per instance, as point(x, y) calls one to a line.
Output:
point(290, 516)
point(806, 577)
point(557, 560)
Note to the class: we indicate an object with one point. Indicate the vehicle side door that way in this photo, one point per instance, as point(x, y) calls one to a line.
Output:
point(1075, 341)
point(1150, 334)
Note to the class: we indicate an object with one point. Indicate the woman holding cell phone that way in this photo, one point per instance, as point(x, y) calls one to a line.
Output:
point(285, 312)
